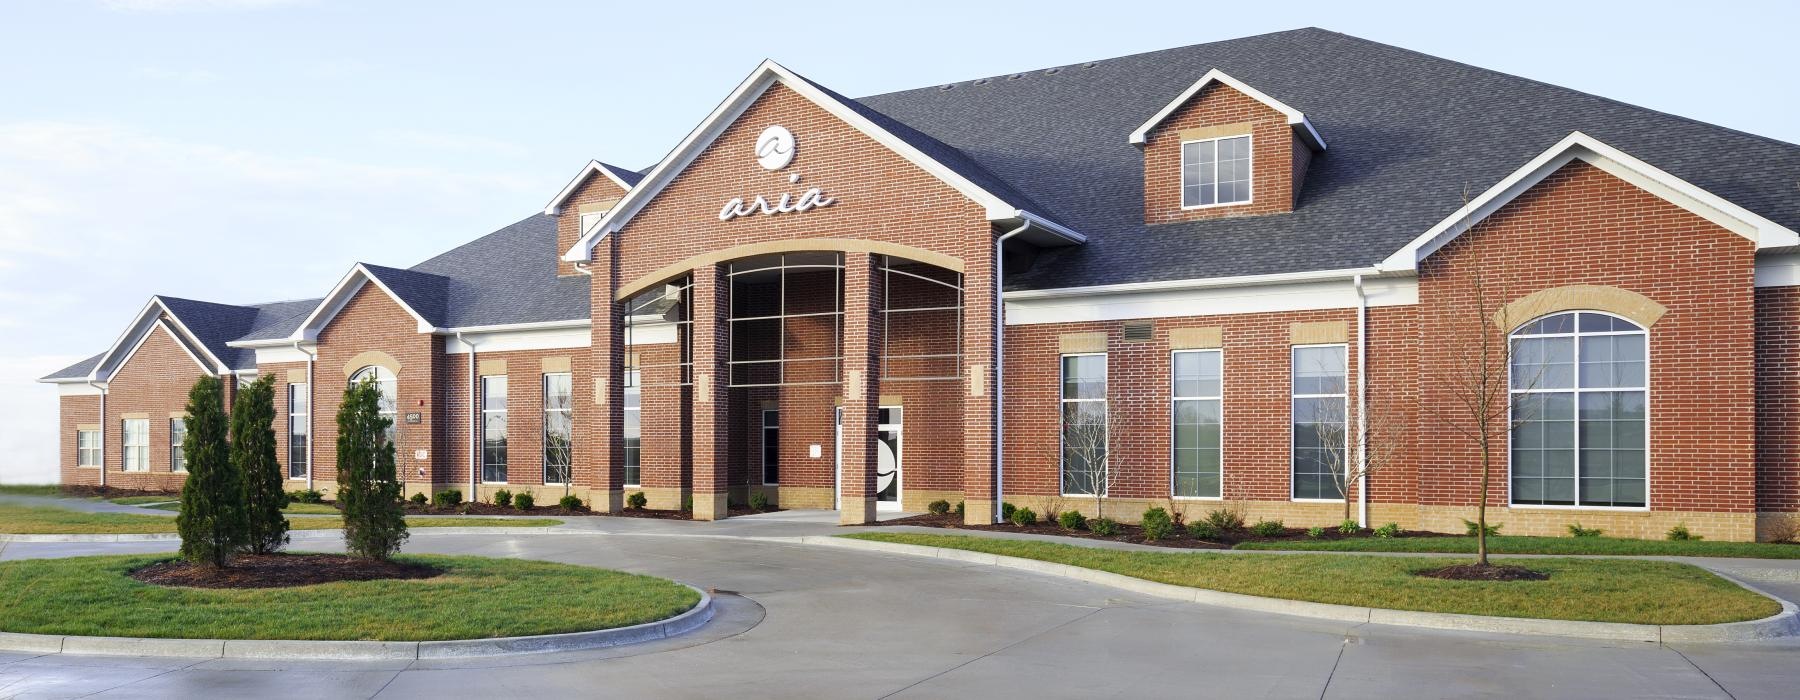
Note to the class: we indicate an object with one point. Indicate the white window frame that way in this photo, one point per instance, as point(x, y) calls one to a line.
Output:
point(1249, 182)
point(127, 447)
point(1292, 396)
point(766, 427)
point(177, 455)
point(1173, 400)
point(388, 389)
point(1062, 385)
point(548, 411)
point(300, 418)
point(1577, 391)
point(633, 380)
point(505, 438)
point(82, 453)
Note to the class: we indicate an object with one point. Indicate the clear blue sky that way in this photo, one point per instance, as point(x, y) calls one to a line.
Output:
point(250, 150)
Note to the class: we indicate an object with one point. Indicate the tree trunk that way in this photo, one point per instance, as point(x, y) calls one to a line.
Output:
point(1481, 548)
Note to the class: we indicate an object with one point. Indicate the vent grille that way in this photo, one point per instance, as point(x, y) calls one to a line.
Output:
point(1138, 332)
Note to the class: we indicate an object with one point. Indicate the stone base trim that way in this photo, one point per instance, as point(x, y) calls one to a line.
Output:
point(1290, 513)
point(1777, 527)
point(1554, 522)
point(857, 511)
point(689, 621)
point(1783, 624)
point(712, 506)
point(798, 497)
point(976, 512)
point(919, 500)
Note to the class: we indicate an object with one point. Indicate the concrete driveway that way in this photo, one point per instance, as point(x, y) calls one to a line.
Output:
point(811, 622)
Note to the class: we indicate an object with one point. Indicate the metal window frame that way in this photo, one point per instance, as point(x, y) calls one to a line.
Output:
point(1175, 400)
point(1577, 390)
point(1293, 395)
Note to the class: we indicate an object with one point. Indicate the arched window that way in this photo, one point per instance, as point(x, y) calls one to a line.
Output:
point(386, 385)
point(1580, 395)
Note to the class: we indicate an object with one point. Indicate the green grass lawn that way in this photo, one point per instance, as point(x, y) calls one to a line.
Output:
point(39, 520)
point(1602, 590)
point(477, 597)
point(1511, 544)
point(141, 500)
point(291, 509)
point(31, 489)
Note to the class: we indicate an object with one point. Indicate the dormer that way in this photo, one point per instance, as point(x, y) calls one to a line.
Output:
point(583, 202)
point(1223, 148)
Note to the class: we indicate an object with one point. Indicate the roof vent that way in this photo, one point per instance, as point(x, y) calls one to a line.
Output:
point(947, 87)
point(1053, 71)
point(1137, 332)
point(983, 81)
point(1090, 64)
point(1015, 76)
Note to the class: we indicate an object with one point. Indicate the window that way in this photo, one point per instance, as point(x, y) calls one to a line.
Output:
point(87, 448)
point(386, 385)
point(771, 447)
point(493, 429)
point(1084, 424)
point(1198, 384)
point(1321, 435)
point(634, 429)
point(177, 451)
point(589, 219)
point(137, 444)
point(559, 426)
point(1580, 395)
point(1215, 171)
point(299, 432)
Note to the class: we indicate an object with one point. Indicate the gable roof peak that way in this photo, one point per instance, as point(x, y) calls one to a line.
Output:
point(1295, 118)
point(625, 178)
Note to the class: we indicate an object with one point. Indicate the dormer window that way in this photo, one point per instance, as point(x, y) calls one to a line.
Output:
point(1215, 172)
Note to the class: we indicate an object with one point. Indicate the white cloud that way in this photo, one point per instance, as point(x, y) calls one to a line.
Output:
point(193, 5)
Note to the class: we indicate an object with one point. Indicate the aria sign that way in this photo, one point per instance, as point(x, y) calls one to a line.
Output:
point(774, 151)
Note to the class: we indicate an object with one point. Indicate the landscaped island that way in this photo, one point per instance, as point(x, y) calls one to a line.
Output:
point(44, 520)
point(466, 598)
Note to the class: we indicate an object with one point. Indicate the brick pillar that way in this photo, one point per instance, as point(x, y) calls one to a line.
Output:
point(604, 457)
point(862, 346)
point(979, 387)
point(711, 432)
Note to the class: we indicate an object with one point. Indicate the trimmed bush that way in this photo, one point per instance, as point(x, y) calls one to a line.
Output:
point(1204, 530)
point(420, 499)
point(1268, 528)
point(1576, 530)
point(1470, 527)
point(569, 502)
point(523, 501)
point(368, 487)
point(1156, 524)
point(1680, 533)
point(1348, 527)
point(1024, 516)
point(446, 498)
point(1225, 520)
point(636, 500)
point(253, 456)
point(1104, 527)
point(938, 507)
point(212, 521)
point(503, 498)
point(759, 500)
point(687, 503)
point(1006, 511)
point(1387, 531)
point(958, 509)
point(1315, 532)
point(1071, 520)
point(306, 496)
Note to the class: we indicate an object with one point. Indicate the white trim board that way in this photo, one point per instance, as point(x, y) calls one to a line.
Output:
point(1579, 146)
point(1295, 118)
point(593, 166)
point(530, 339)
point(340, 296)
point(172, 335)
point(766, 75)
point(146, 320)
point(1209, 301)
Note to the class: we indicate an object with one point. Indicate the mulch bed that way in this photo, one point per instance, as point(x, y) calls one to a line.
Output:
point(89, 491)
point(558, 511)
point(279, 571)
point(1179, 539)
point(1478, 572)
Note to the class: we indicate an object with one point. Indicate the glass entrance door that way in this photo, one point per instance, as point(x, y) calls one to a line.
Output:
point(887, 454)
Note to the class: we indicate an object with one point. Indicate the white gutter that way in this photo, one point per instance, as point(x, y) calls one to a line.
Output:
point(1362, 402)
point(102, 391)
point(474, 419)
point(311, 410)
point(1207, 283)
point(1000, 367)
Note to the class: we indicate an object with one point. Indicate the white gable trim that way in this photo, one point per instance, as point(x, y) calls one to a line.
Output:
point(340, 295)
point(146, 320)
point(1579, 146)
point(185, 348)
point(593, 166)
point(768, 74)
point(1295, 118)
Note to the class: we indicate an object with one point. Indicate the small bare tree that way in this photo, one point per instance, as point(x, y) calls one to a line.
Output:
point(1085, 457)
point(1371, 442)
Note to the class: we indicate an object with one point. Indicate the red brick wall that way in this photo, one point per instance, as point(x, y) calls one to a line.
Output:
point(374, 321)
point(524, 413)
point(280, 372)
point(598, 188)
point(77, 410)
point(1777, 399)
point(1278, 160)
point(1583, 226)
point(156, 380)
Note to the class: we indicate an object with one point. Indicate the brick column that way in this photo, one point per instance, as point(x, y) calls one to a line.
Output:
point(604, 457)
point(979, 387)
point(711, 432)
point(861, 400)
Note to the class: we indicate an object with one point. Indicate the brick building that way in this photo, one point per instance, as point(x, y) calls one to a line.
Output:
point(1224, 274)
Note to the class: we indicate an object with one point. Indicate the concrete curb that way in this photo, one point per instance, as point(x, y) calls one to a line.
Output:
point(295, 535)
point(689, 621)
point(1783, 624)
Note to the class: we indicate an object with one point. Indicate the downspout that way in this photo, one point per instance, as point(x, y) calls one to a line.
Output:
point(474, 419)
point(1000, 367)
point(1362, 401)
point(310, 410)
point(95, 385)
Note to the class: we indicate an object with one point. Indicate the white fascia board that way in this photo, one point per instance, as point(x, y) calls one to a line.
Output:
point(141, 326)
point(593, 166)
point(533, 326)
point(340, 295)
point(520, 339)
point(1579, 146)
point(76, 387)
point(1060, 231)
point(768, 74)
point(209, 370)
point(280, 354)
point(1295, 118)
point(1778, 270)
point(131, 331)
point(1198, 302)
point(1205, 283)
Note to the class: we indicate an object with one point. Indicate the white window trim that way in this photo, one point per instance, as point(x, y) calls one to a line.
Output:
point(1062, 385)
point(306, 417)
point(173, 446)
point(126, 446)
point(485, 412)
point(1290, 429)
point(1172, 401)
point(1249, 182)
point(98, 451)
point(764, 458)
point(632, 380)
point(543, 461)
point(1577, 390)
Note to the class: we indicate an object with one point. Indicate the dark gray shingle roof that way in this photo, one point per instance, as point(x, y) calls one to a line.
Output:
point(75, 371)
point(508, 276)
point(1408, 132)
